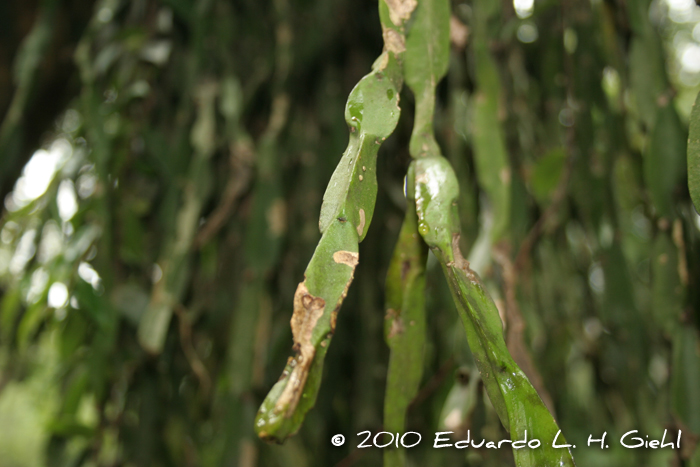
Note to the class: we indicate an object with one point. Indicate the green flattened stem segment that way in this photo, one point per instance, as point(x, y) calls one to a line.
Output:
point(489, 143)
point(316, 304)
point(371, 113)
point(517, 403)
point(694, 155)
point(425, 63)
point(404, 326)
point(435, 191)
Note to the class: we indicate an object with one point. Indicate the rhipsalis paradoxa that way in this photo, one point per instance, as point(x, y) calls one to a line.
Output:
point(416, 49)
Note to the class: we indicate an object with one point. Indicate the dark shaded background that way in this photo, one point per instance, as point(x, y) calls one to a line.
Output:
point(195, 140)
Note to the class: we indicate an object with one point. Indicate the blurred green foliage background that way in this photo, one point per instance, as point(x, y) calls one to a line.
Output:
point(172, 155)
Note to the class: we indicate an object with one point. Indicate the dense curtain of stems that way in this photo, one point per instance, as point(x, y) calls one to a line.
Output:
point(163, 164)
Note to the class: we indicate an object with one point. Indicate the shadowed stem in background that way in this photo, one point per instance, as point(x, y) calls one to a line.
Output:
point(262, 243)
point(606, 290)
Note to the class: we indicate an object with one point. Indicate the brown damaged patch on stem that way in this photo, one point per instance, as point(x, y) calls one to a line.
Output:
point(460, 262)
point(396, 326)
point(307, 311)
point(393, 42)
point(334, 319)
point(361, 226)
point(400, 10)
point(396, 329)
point(347, 258)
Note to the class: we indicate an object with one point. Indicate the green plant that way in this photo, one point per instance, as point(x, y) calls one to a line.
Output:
point(145, 293)
point(432, 192)
point(371, 113)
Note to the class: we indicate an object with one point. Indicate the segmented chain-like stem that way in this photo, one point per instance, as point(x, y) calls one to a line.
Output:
point(371, 113)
